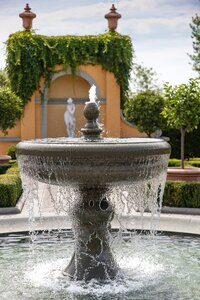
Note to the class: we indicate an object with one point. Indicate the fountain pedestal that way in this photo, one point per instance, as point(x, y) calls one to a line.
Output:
point(92, 257)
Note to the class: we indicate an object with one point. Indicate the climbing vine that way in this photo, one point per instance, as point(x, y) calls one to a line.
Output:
point(30, 56)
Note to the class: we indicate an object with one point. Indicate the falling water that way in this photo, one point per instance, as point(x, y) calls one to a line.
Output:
point(99, 184)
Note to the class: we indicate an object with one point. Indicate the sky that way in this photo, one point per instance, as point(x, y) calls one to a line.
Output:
point(159, 29)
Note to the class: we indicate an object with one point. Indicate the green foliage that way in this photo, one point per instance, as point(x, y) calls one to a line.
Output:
point(3, 78)
point(10, 187)
point(194, 163)
point(10, 109)
point(182, 105)
point(30, 56)
point(182, 109)
point(14, 170)
point(174, 162)
point(182, 194)
point(195, 26)
point(144, 79)
point(144, 110)
point(12, 151)
point(10, 105)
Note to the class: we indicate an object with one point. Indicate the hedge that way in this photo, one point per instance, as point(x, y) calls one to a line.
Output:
point(193, 162)
point(10, 187)
point(182, 194)
point(174, 162)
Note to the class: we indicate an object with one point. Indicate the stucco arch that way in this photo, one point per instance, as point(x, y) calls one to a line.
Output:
point(81, 74)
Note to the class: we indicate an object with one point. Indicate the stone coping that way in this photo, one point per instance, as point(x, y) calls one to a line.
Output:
point(179, 223)
point(180, 210)
point(13, 210)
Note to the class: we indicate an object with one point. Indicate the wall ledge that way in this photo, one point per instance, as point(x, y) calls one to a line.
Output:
point(7, 139)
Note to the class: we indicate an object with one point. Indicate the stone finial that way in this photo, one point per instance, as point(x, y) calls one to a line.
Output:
point(91, 130)
point(27, 17)
point(112, 18)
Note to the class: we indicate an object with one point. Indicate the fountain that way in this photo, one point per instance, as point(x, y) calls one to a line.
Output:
point(96, 169)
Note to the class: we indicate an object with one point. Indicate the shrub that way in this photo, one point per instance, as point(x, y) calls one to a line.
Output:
point(10, 187)
point(11, 109)
point(144, 110)
point(182, 194)
point(174, 162)
point(10, 190)
point(12, 151)
point(14, 170)
point(194, 163)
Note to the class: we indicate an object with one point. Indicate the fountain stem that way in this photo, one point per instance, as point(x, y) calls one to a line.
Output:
point(92, 258)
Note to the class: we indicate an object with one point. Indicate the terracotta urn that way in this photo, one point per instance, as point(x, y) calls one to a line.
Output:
point(27, 17)
point(112, 18)
point(4, 159)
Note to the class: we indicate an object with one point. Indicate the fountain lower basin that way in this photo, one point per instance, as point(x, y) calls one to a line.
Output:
point(165, 267)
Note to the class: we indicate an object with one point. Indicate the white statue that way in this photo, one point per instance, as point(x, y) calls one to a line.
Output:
point(69, 118)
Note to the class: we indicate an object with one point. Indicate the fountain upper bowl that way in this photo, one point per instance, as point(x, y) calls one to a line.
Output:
point(100, 161)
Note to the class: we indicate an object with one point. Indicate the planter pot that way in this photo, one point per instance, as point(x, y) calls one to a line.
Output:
point(4, 159)
point(187, 174)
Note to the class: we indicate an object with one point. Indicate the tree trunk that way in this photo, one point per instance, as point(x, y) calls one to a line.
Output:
point(182, 146)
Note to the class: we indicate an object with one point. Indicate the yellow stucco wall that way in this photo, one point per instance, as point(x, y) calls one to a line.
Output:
point(75, 87)
point(37, 121)
point(128, 130)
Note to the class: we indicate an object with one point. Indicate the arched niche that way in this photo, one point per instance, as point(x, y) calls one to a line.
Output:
point(64, 85)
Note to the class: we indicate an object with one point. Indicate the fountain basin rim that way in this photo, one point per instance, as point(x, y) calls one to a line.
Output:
point(140, 147)
point(83, 141)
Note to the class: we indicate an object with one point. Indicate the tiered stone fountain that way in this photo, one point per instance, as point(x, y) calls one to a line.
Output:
point(94, 167)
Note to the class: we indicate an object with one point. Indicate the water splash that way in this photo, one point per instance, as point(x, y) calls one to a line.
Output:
point(92, 94)
point(155, 269)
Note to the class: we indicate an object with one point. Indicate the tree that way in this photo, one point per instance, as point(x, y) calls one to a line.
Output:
point(144, 79)
point(182, 108)
point(195, 26)
point(11, 106)
point(144, 110)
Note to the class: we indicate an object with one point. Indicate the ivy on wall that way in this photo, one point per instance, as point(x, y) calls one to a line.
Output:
point(30, 56)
